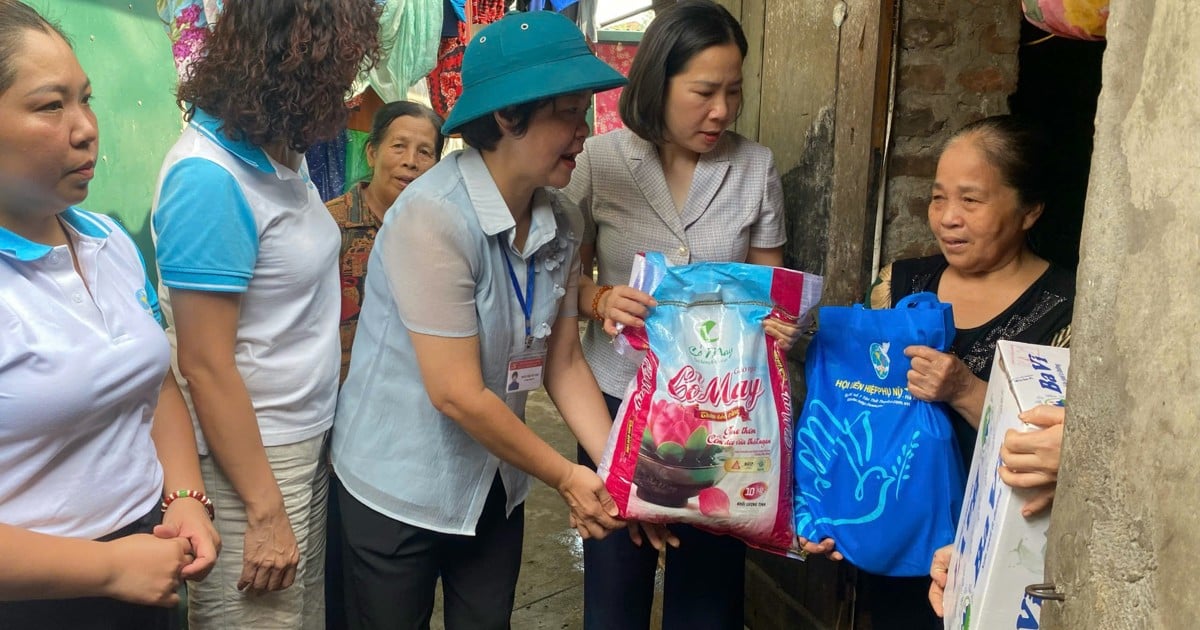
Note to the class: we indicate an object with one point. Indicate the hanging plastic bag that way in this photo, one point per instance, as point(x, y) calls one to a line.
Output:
point(704, 433)
point(876, 469)
point(1073, 19)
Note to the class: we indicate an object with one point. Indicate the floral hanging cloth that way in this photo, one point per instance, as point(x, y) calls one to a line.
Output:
point(445, 82)
point(409, 31)
point(187, 23)
point(619, 55)
point(1073, 19)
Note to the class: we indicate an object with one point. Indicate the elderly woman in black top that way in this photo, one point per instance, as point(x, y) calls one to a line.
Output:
point(989, 191)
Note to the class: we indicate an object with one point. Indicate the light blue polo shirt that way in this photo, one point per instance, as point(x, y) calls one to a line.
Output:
point(438, 268)
point(82, 361)
point(229, 219)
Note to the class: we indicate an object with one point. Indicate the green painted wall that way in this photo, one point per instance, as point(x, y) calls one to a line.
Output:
point(125, 51)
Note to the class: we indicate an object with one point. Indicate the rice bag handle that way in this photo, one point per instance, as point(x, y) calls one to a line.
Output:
point(706, 293)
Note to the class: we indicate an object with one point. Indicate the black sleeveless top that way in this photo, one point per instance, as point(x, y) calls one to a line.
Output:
point(1041, 315)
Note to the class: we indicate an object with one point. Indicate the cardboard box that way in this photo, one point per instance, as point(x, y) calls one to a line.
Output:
point(997, 551)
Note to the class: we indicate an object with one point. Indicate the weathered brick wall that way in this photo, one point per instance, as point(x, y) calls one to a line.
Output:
point(958, 63)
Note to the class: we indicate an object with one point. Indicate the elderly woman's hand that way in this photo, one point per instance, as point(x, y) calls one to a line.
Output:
point(1031, 458)
point(824, 548)
point(941, 377)
point(658, 535)
point(938, 572)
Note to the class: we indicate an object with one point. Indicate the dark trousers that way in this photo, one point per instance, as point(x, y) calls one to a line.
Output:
point(899, 603)
point(392, 568)
point(335, 583)
point(702, 586)
point(91, 613)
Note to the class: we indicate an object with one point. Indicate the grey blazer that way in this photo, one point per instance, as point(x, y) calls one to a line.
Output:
point(735, 203)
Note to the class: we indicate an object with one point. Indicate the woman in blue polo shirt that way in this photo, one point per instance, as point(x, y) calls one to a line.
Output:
point(248, 255)
point(92, 426)
point(471, 288)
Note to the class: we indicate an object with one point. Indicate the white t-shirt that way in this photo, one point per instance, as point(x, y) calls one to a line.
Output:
point(81, 366)
point(229, 219)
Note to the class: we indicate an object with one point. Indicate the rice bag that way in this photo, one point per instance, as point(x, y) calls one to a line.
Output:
point(704, 434)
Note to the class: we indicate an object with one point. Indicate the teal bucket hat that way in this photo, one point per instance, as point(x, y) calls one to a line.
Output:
point(525, 57)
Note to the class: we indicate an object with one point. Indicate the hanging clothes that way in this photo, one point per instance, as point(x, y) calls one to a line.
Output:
point(451, 16)
point(556, 5)
point(587, 19)
point(445, 81)
point(409, 32)
point(460, 10)
point(356, 157)
point(187, 23)
point(619, 55)
point(327, 166)
point(1073, 19)
point(582, 12)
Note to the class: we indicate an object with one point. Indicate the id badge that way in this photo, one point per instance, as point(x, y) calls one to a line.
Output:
point(525, 371)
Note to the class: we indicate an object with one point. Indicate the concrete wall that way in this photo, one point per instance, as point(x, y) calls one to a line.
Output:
point(125, 51)
point(1123, 539)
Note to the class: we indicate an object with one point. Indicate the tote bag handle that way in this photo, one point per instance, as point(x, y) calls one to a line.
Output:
point(925, 299)
point(929, 301)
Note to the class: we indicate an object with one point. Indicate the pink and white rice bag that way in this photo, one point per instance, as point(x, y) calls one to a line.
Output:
point(704, 435)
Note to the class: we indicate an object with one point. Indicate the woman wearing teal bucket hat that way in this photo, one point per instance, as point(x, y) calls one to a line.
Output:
point(473, 278)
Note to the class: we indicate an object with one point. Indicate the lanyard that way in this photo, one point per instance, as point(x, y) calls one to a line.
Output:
point(526, 301)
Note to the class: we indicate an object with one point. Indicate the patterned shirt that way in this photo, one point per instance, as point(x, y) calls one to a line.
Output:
point(359, 226)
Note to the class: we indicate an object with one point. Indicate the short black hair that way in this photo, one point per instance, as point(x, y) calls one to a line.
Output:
point(399, 109)
point(1019, 150)
point(16, 18)
point(672, 40)
point(484, 133)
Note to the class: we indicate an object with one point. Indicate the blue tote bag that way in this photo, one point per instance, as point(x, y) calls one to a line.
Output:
point(876, 469)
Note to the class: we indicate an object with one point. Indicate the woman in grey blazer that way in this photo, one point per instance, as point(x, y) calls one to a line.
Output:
point(675, 181)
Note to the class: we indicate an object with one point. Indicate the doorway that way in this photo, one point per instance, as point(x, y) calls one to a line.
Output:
point(1058, 83)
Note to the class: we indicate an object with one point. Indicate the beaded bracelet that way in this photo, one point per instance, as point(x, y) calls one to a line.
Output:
point(189, 494)
point(596, 301)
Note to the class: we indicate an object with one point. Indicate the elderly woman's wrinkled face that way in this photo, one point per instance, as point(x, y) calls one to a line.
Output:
point(975, 216)
point(407, 150)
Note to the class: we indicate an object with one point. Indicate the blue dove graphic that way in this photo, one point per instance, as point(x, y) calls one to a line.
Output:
point(824, 442)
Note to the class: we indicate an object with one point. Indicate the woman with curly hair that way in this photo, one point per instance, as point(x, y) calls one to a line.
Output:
point(247, 255)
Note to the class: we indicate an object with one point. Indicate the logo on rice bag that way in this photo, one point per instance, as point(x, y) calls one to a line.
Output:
point(708, 351)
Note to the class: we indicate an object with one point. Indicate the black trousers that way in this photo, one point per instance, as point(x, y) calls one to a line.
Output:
point(335, 582)
point(392, 568)
point(702, 584)
point(91, 613)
